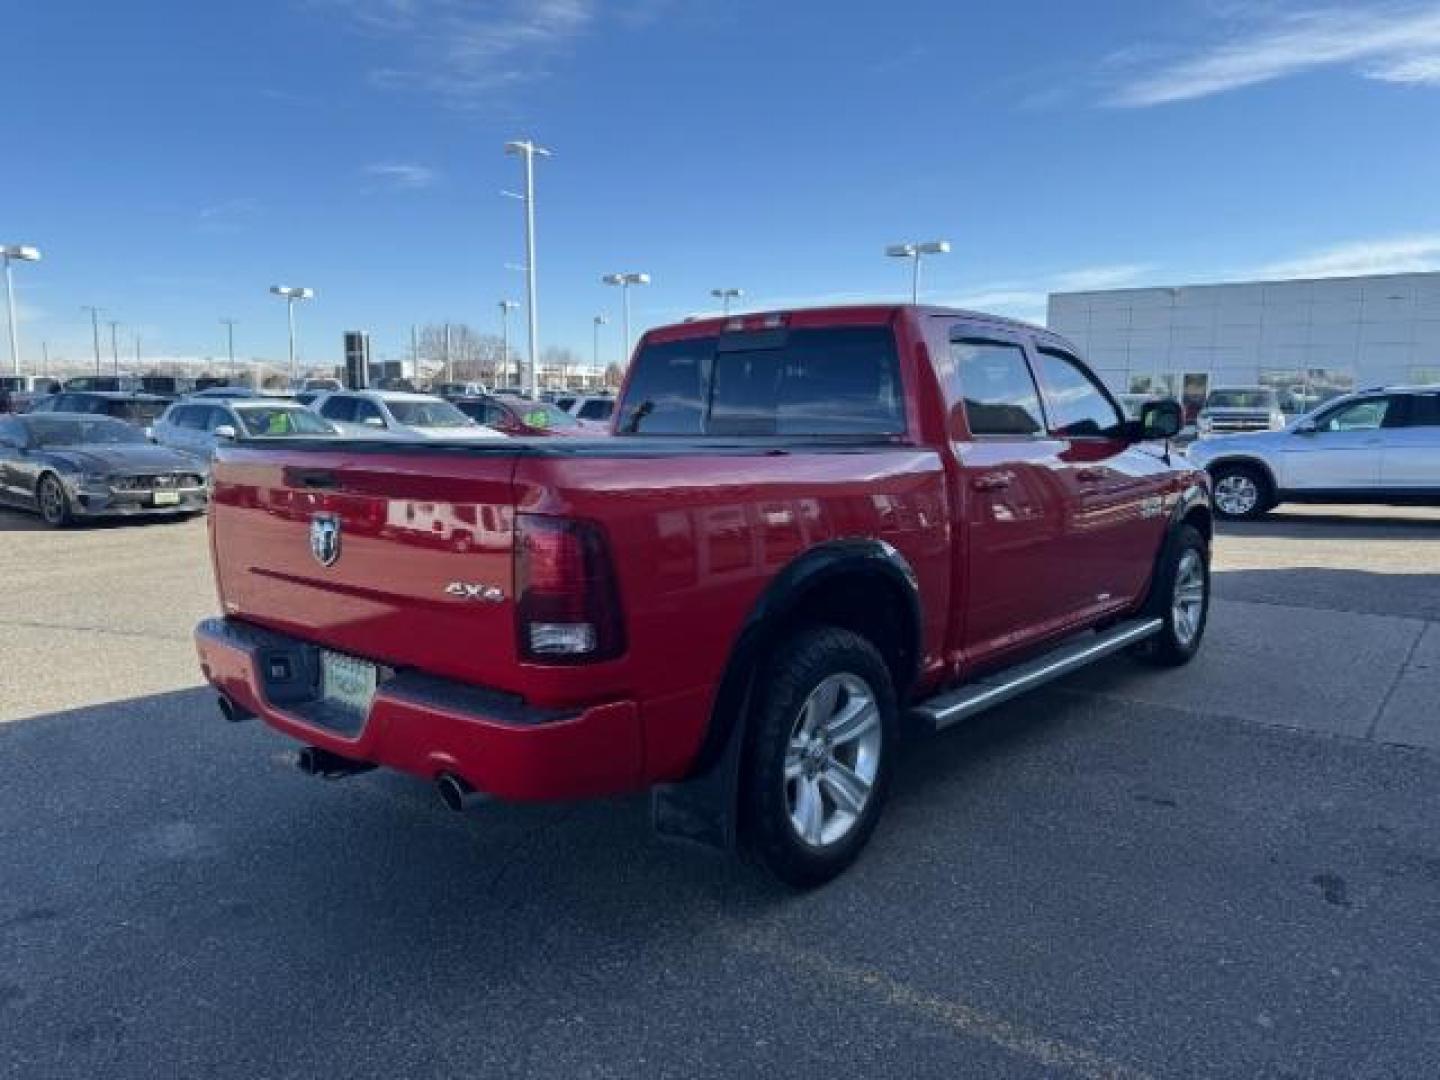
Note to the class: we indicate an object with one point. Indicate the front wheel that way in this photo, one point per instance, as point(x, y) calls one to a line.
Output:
point(817, 765)
point(1242, 492)
point(1181, 600)
point(54, 503)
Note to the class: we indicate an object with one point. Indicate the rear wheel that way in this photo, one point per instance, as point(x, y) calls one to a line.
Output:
point(1241, 491)
point(817, 763)
point(54, 504)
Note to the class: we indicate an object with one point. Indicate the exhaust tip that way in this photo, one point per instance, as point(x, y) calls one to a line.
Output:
point(310, 761)
point(455, 793)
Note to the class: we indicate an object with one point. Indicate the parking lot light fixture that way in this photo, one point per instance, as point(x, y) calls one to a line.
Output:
point(15, 253)
point(725, 296)
point(291, 293)
point(94, 330)
point(625, 280)
point(230, 344)
point(115, 346)
point(527, 151)
point(506, 307)
point(915, 252)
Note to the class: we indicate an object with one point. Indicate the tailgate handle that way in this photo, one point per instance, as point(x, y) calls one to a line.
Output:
point(315, 479)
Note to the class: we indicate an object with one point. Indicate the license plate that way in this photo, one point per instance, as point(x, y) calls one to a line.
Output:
point(166, 498)
point(347, 682)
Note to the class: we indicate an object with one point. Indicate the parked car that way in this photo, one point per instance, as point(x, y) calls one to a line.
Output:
point(1232, 409)
point(524, 416)
point(19, 392)
point(806, 526)
point(450, 390)
point(68, 467)
point(110, 384)
point(594, 407)
point(398, 414)
point(322, 385)
point(1376, 446)
point(166, 385)
point(142, 410)
point(200, 426)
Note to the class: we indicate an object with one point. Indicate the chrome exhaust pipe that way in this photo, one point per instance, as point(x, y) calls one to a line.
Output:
point(233, 713)
point(456, 794)
point(313, 761)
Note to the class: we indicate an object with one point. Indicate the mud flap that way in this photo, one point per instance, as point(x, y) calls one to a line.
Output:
point(704, 809)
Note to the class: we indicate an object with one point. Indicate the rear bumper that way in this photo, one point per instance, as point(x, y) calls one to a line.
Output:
point(427, 726)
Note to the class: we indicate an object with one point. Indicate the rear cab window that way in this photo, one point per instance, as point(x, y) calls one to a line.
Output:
point(805, 381)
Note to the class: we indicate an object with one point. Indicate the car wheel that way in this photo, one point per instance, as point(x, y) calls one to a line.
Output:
point(1242, 492)
point(1182, 601)
point(53, 502)
point(822, 734)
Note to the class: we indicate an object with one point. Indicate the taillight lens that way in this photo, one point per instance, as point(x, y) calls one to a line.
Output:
point(568, 607)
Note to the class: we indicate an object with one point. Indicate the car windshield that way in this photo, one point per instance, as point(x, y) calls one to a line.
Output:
point(541, 414)
point(68, 431)
point(1241, 399)
point(428, 414)
point(137, 412)
point(271, 421)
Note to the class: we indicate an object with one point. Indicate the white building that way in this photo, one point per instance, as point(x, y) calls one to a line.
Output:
point(1310, 339)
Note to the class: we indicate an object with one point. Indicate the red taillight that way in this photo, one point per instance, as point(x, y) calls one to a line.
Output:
point(568, 607)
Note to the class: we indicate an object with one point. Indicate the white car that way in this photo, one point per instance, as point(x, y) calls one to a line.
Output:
point(200, 425)
point(1234, 409)
point(1375, 446)
point(597, 408)
point(399, 415)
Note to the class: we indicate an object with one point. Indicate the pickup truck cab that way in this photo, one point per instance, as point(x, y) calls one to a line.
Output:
point(809, 532)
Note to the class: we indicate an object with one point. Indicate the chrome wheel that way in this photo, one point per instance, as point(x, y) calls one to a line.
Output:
point(52, 501)
point(832, 759)
point(1237, 494)
point(1188, 607)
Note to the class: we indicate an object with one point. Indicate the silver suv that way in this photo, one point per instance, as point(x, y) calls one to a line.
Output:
point(1375, 446)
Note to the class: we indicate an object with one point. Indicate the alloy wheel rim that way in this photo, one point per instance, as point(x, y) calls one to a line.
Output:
point(1188, 608)
point(50, 500)
point(1237, 494)
point(832, 759)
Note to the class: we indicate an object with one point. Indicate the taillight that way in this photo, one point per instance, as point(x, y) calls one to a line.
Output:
point(568, 608)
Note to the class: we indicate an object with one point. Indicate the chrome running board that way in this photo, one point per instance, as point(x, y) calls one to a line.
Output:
point(955, 705)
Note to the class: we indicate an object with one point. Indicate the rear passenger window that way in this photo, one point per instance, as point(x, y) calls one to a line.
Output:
point(1077, 405)
point(997, 388)
point(338, 408)
point(597, 409)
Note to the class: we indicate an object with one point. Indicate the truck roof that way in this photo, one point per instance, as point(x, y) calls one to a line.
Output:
point(841, 315)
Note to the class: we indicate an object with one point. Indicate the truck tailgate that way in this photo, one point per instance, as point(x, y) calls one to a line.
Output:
point(401, 556)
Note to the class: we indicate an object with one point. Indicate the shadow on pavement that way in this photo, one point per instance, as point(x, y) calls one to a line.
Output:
point(1407, 595)
point(1383, 523)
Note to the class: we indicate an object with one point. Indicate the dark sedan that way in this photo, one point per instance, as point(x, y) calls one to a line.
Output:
point(68, 467)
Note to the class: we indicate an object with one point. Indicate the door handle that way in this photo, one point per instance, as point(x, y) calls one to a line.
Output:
point(994, 481)
point(1091, 475)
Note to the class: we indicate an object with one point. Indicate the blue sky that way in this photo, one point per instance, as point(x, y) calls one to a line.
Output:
point(174, 159)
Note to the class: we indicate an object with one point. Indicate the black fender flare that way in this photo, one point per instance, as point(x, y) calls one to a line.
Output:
point(702, 807)
point(1194, 496)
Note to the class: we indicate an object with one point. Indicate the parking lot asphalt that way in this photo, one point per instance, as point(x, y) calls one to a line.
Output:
point(1232, 869)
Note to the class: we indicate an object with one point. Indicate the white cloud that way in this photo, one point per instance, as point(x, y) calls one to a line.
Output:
point(1393, 255)
point(1392, 43)
point(464, 50)
point(404, 175)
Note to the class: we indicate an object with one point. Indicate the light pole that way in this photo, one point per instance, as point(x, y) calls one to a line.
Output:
point(527, 151)
point(15, 253)
point(94, 331)
point(914, 252)
point(449, 365)
point(115, 346)
point(599, 321)
point(229, 325)
point(625, 280)
point(291, 293)
point(725, 296)
point(506, 306)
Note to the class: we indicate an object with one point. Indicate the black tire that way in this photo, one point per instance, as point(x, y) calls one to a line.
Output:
point(52, 502)
point(798, 668)
point(1178, 640)
point(1247, 481)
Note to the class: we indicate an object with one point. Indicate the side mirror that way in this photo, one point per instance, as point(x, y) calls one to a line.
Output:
point(1161, 419)
point(225, 431)
point(1306, 427)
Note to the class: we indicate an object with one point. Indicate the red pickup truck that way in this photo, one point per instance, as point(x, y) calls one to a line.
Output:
point(809, 533)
